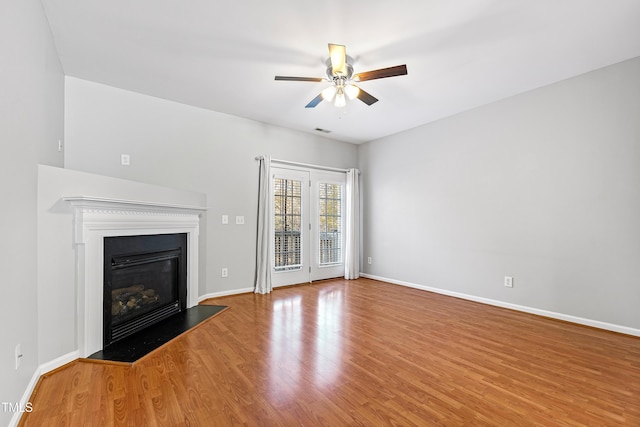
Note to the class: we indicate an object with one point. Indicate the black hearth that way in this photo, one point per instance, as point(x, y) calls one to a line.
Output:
point(145, 281)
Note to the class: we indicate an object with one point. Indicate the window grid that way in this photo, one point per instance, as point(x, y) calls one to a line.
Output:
point(330, 223)
point(287, 207)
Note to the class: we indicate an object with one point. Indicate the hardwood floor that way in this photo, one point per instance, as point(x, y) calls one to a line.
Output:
point(363, 353)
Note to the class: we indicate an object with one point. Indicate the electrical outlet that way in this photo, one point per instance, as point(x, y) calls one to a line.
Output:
point(59, 145)
point(18, 355)
point(225, 272)
point(369, 260)
point(125, 160)
point(508, 281)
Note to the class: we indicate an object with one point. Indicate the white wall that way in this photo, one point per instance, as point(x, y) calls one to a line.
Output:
point(180, 146)
point(543, 187)
point(31, 122)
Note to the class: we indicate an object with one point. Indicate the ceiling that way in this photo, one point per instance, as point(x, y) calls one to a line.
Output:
point(223, 55)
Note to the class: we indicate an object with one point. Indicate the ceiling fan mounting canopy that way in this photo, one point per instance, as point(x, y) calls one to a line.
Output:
point(340, 73)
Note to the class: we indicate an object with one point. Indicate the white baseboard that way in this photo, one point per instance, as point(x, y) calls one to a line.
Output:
point(59, 361)
point(224, 294)
point(25, 397)
point(41, 370)
point(560, 316)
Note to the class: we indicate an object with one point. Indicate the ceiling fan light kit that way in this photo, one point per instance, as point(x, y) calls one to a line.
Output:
point(352, 91)
point(340, 74)
point(340, 99)
point(329, 93)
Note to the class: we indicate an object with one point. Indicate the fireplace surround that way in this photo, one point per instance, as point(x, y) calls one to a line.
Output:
point(97, 219)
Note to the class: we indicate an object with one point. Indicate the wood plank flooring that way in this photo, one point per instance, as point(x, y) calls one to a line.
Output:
point(361, 353)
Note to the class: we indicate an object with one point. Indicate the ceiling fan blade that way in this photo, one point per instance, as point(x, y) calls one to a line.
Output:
point(398, 70)
point(315, 101)
point(299, 79)
point(366, 97)
point(338, 56)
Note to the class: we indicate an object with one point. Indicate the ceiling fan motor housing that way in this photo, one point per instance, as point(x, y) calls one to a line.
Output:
point(348, 70)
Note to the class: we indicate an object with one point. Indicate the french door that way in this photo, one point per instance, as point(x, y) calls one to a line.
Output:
point(307, 220)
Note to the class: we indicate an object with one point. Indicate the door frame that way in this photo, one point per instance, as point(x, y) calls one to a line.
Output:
point(310, 270)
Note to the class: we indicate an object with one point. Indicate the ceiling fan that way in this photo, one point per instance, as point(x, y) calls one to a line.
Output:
point(340, 74)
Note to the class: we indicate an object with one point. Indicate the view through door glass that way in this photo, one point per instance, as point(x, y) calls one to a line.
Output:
point(290, 219)
point(327, 225)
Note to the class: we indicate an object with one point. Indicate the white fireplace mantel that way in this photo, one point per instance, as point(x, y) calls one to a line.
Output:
point(96, 218)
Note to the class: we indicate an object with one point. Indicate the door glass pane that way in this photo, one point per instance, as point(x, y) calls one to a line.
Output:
point(330, 223)
point(287, 218)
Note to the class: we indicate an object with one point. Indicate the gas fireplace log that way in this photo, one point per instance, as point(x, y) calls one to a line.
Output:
point(117, 293)
point(129, 301)
point(148, 292)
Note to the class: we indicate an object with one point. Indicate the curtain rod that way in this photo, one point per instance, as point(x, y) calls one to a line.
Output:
point(305, 165)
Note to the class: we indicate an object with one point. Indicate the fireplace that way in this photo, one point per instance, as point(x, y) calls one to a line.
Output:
point(145, 281)
point(98, 219)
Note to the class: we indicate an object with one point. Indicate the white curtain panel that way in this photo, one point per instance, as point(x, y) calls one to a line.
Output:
point(263, 249)
point(352, 217)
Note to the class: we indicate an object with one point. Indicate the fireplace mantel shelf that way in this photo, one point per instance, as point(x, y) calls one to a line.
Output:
point(103, 203)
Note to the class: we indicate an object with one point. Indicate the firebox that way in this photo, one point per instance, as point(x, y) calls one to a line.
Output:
point(145, 281)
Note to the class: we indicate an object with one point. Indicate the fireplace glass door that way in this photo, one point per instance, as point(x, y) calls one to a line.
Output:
point(144, 286)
